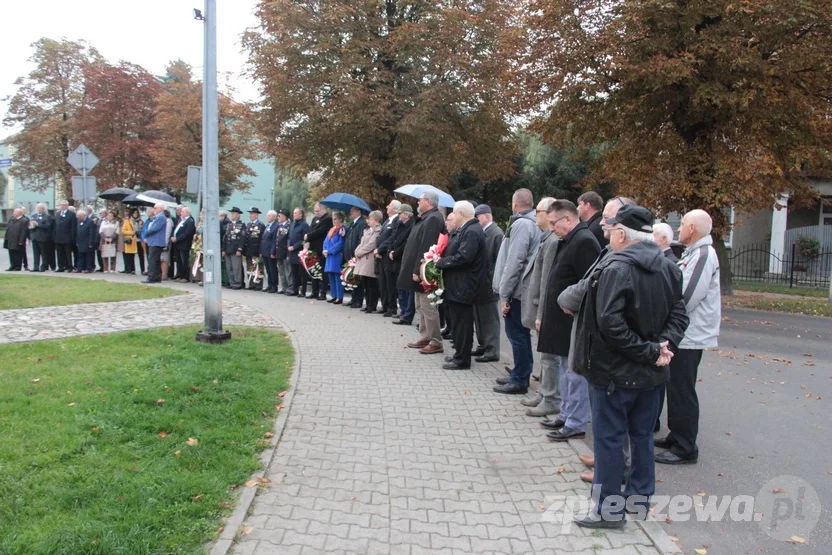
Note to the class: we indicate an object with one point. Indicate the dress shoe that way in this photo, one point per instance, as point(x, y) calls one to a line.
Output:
point(478, 352)
point(565, 434)
point(532, 401)
point(587, 461)
point(323, 298)
point(148, 281)
point(550, 424)
point(331, 300)
point(542, 410)
point(447, 336)
point(511, 388)
point(454, 366)
point(419, 344)
point(502, 381)
point(388, 314)
point(431, 349)
point(669, 457)
point(100, 271)
point(449, 359)
point(356, 306)
point(595, 521)
point(487, 359)
point(339, 301)
point(664, 443)
point(509, 369)
point(402, 322)
point(588, 476)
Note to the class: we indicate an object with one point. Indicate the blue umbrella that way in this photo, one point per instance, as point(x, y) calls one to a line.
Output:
point(345, 201)
point(416, 190)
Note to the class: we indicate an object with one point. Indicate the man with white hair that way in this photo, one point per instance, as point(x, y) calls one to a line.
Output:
point(465, 270)
point(64, 236)
point(387, 279)
point(268, 250)
point(85, 235)
point(663, 236)
point(623, 351)
point(181, 240)
point(15, 240)
point(42, 233)
point(700, 269)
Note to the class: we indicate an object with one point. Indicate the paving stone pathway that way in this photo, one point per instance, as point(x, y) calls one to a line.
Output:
point(383, 452)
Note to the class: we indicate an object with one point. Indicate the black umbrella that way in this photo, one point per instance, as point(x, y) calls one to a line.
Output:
point(133, 200)
point(116, 193)
point(158, 195)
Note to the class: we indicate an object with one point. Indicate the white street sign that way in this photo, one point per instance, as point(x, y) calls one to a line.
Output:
point(83, 188)
point(82, 159)
point(194, 183)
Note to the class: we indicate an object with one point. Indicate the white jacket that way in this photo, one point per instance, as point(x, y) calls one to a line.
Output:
point(703, 299)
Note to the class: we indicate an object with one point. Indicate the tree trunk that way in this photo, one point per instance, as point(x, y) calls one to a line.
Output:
point(726, 277)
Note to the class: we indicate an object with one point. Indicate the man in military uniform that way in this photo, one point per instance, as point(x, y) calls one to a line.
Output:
point(233, 243)
point(254, 232)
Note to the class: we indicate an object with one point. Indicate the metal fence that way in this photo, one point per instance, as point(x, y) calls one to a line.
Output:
point(758, 263)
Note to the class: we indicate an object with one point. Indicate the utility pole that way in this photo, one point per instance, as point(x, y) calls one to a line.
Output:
point(211, 270)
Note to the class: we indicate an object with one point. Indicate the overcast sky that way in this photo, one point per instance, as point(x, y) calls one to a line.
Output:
point(149, 33)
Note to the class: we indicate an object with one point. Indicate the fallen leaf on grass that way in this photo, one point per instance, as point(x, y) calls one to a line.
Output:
point(198, 497)
point(251, 484)
point(220, 530)
point(269, 434)
point(72, 404)
point(278, 407)
point(192, 442)
point(282, 394)
point(263, 480)
point(163, 435)
point(225, 505)
point(176, 454)
point(160, 402)
point(35, 380)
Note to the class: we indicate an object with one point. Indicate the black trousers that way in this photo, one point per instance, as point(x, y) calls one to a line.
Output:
point(271, 272)
point(40, 255)
point(141, 254)
point(683, 403)
point(182, 259)
point(15, 259)
point(462, 316)
point(387, 285)
point(358, 294)
point(25, 253)
point(64, 251)
point(100, 260)
point(298, 283)
point(371, 292)
point(154, 264)
point(129, 262)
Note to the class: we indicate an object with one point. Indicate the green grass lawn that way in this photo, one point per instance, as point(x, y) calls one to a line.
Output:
point(133, 442)
point(797, 305)
point(760, 287)
point(26, 291)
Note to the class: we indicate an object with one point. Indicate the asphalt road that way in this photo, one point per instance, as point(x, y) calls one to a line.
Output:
point(765, 414)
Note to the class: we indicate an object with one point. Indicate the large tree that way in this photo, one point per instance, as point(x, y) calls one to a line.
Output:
point(45, 106)
point(378, 93)
point(116, 122)
point(178, 123)
point(699, 103)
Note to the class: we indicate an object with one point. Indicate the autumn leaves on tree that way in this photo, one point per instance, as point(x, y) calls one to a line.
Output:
point(145, 129)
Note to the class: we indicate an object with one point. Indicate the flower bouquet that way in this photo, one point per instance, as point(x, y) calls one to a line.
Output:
point(311, 263)
point(348, 276)
point(432, 281)
point(254, 272)
point(196, 248)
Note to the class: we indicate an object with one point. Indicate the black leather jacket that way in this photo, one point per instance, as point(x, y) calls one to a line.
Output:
point(633, 303)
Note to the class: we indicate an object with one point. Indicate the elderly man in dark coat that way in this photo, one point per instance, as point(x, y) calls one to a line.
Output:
point(15, 241)
point(297, 233)
point(64, 236)
point(577, 250)
point(465, 269)
point(425, 234)
point(85, 234)
point(387, 278)
point(42, 235)
point(318, 228)
point(407, 307)
point(487, 312)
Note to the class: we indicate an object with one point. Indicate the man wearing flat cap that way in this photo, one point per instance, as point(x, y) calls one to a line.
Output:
point(487, 314)
point(284, 268)
point(233, 243)
point(254, 232)
point(631, 319)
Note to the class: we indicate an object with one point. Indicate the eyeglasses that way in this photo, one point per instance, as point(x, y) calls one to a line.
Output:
point(559, 219)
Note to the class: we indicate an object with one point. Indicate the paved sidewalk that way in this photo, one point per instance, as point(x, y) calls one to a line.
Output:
point(385, 452)
point(37, 324)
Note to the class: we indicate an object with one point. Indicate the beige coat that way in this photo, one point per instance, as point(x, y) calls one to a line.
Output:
point(365, 263)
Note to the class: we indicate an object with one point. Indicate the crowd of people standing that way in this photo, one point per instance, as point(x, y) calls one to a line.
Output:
point(620, 322)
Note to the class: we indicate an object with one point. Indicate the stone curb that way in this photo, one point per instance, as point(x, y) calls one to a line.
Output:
point(237, 518)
